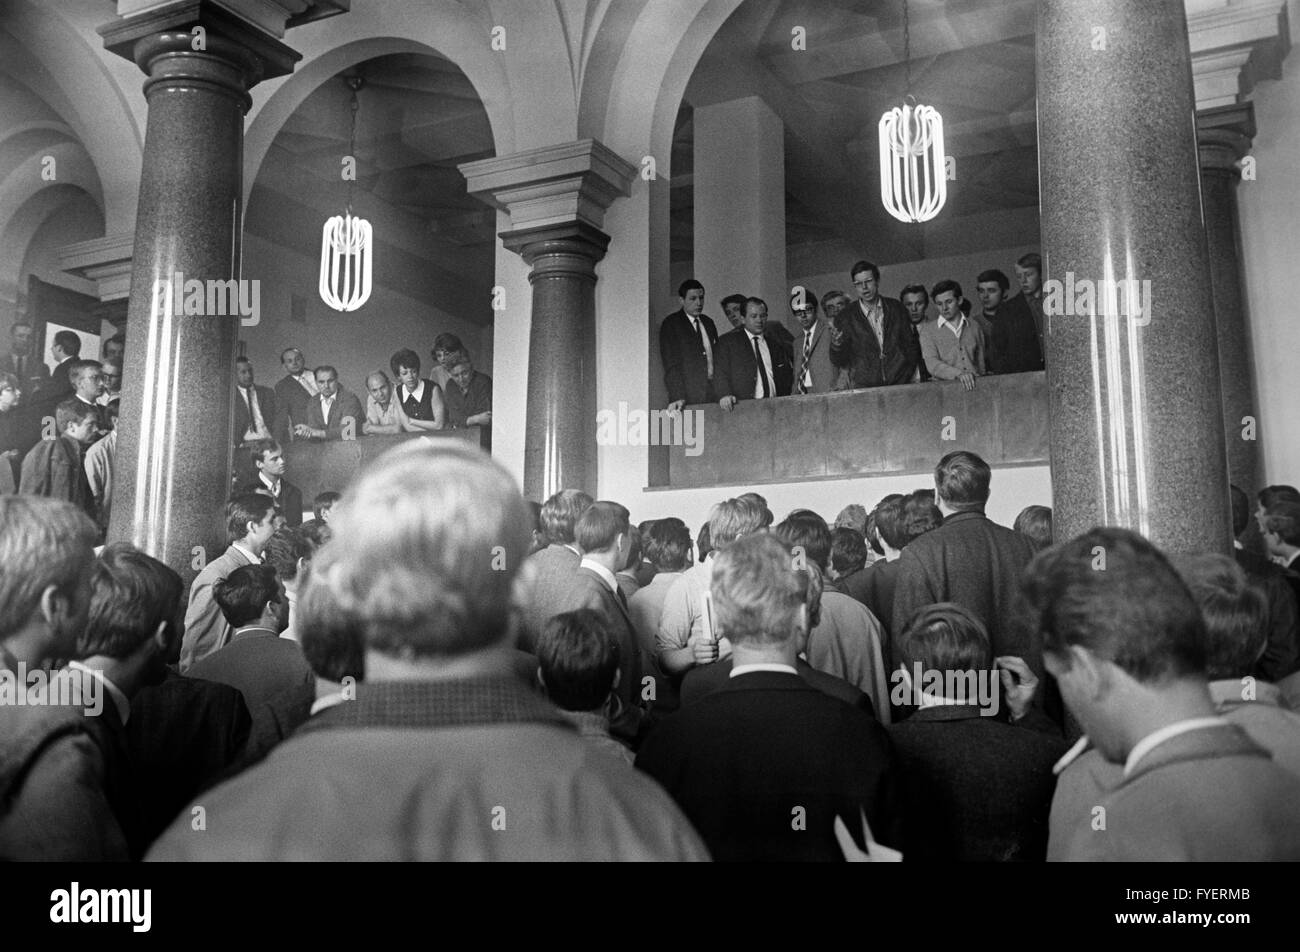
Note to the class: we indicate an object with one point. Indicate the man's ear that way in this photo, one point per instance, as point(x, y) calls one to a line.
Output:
point(1089, 672)
point(160, 637)
point(53, 604)
point(541, 681)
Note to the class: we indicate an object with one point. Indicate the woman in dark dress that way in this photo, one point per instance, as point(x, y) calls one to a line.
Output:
point(421, 399)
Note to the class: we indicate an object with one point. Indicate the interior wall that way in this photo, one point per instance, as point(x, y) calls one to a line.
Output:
point(357, 343)
point(1269, 208)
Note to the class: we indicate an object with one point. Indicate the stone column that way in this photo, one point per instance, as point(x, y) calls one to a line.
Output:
point(174, 440)
point(1224, 136)
point(739, 175)
point(1136, 415)
point(557, 198)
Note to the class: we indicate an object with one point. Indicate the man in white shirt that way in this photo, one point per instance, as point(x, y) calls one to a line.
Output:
point(1127, 646)
point(255, 406)
point(335, 413)
point(687, 339)
point(99, 465)
point(952, 346)
point(752, 363)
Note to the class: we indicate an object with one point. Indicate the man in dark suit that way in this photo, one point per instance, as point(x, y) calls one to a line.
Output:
point(975, 787)
point(32, 372)
point(916, 301)
point(294, 392)
point(763, 766)
point(256, 410)
point(874, 339)
point(267, 458)
point(687, 340)
point(66, 349)
point(1013, 346)
point(752, 363)
point(1127, 646)
point(1281, 655)
point(813, 372)
point(550, 569)
point(603, 536)
point(269, 671)
point(335, 413)
point(969, 560)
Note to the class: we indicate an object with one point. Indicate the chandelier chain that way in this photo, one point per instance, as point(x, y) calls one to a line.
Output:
point(907, 50)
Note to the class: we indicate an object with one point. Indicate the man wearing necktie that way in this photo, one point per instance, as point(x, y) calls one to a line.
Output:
point(31, 371)
point(687, 339)
point(295, 392)
point(752, 362)
point(814, 372)
point(255, 406)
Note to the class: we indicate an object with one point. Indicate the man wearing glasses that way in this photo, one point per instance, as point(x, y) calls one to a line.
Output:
point(873, 340)
point(814, 372)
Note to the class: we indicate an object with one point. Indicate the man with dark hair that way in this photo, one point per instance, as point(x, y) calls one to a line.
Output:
point(268, 462)
point(974, 787)
point(668, 546)
point(56, 468)
point(686, 635)
point(444, 753)
point(550, 570)
point(916, 301)
point(55, 761)
point(578, 669)
point(1281, 655)
point(269, 671)
point(114, 350)
point(294, 392)
point(882, 577)
point(469, 398)
point(33, 374)
point(813, 372)
point(764, 766)
point(1281, 528)
point(874, 341)
point(952, 345)
point(603, 537)
point(250, 521)
point(848, 563)
point(255, 407)
point(1008, 325)
point(288, 552)
point(66, 349)
point(1128, 647)
point(733, 306)
point(1035, 524)
point(87, 378)
point(687, 339)
point(335, 413)
point(445, 346)
point(752, 362)
point(847, 640)
point(969, 560)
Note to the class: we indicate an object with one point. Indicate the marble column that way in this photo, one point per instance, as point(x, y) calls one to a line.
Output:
point(1224, 136)
point(174, 430)
point(1136, 416)
point(560, 442)
point(739, 182)
point(556, 197)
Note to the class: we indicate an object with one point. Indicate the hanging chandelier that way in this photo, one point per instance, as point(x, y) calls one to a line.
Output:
point(913, 171)
point(347, 241)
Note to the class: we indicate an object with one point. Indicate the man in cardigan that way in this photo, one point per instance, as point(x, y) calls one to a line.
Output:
point(952, 345)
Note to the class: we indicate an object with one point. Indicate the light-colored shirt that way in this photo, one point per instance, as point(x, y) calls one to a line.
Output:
point(120, 700)
point(257, 425)
point(766, 354)
point(1170, 731)
point(951, 349)
point(248, 553)
point(704, 337)
point(647, 605)
point(325, 404)
point(378, 415)
point(417, 394)
point(307, 380)
point(99, 468)
point(875, 315)
point(682, 617)
point(748, 668)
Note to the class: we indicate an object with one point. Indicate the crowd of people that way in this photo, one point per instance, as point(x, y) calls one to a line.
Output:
point(847, 344)
point(445, 671)
point(58, 428)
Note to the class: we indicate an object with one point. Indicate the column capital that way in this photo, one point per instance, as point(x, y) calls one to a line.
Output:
point(567, 185)
point(1224, 136)
point(1234, 45)
point(240, 31)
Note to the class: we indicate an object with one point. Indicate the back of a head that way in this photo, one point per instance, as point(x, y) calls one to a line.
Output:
point(1112, 592)
point(945, 637)
point(600, 526)
point(848, 550)
point(283, 551)
point(1035, 524)
point(668, 544)
point(1280, 493)
point(43, 542)
point(757, 592)
point(424, 554)
point(131, 595)
point(333, 653)
point(759, 502)
point(853, 517)
point(1234, 610)
point(243, 595)
point(961, 480)
point(889, 521)
point(808, 533)
point(560, 514)
point(578, 659)
point(919, 516)
point(70, 343)
point(734, 518)
point(324, 501)
point(1283, 518)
